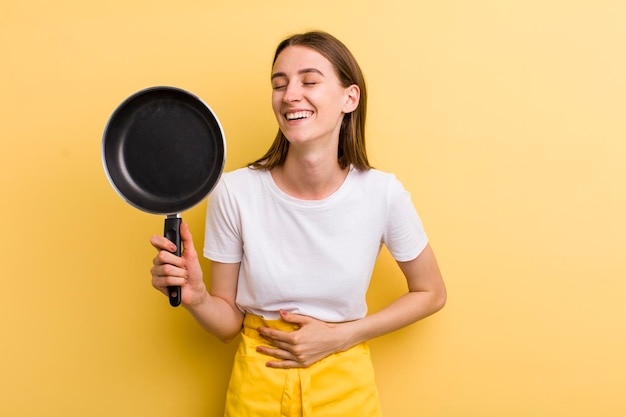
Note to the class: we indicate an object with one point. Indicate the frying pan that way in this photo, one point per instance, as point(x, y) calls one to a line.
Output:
point(163, 151)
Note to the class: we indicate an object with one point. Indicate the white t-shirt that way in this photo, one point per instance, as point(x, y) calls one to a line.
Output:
point(309, 257)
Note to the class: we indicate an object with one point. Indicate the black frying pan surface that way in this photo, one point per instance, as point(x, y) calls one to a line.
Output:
point(163, 150)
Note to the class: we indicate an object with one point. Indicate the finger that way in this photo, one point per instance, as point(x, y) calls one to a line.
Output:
point(187, 239)
point(285, 359)
point(169, 270)
point(294, 318)
point(167, 258)
point(168, 275)
point(274, 352)
point(276, 336)
point(162, 243)
point(286, 364)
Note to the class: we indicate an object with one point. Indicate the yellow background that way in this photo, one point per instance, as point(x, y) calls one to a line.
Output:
point(504, 119)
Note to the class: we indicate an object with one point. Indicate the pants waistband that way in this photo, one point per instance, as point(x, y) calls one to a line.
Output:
point(252, 322)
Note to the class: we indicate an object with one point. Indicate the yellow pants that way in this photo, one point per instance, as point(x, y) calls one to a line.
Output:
point(339, 385)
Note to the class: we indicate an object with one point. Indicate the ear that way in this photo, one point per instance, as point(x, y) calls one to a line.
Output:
point(353, 96)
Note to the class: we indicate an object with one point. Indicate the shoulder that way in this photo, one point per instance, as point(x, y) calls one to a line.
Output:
point(242, 179)
point(242, 174)
point(373, 175)
point(377, 181)
point(235, 185)
point(237, 189)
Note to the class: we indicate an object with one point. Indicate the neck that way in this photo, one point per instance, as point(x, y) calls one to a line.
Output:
point(310, 176)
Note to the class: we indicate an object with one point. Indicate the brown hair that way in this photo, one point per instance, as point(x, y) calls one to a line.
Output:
point(351, 150)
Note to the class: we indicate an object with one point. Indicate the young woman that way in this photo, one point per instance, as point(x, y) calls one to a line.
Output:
point(293, 239)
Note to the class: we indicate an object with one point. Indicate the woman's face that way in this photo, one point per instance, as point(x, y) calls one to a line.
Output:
point(308, 98)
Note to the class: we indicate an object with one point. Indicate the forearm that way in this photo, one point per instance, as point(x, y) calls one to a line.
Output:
point(406, 310)
point(217, 316)
point(426, 296)
point(316, 339)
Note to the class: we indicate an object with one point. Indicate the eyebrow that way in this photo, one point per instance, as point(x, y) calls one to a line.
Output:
point(302, 71)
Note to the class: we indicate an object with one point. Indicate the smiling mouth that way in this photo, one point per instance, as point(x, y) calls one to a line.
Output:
point(299, 115)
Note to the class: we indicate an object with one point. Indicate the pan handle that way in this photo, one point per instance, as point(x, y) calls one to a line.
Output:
point(172, 232)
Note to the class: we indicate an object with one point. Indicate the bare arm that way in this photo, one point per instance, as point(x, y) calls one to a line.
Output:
point(426, 296)
point(215, 311)
point(316, 339)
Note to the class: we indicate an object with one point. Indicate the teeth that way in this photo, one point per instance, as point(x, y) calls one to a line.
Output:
point(298, 115)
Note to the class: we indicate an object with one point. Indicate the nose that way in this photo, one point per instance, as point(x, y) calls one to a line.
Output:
point(293, 93)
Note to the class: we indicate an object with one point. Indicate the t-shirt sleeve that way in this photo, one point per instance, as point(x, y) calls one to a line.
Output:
point(404, 233)
point(222, 236)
